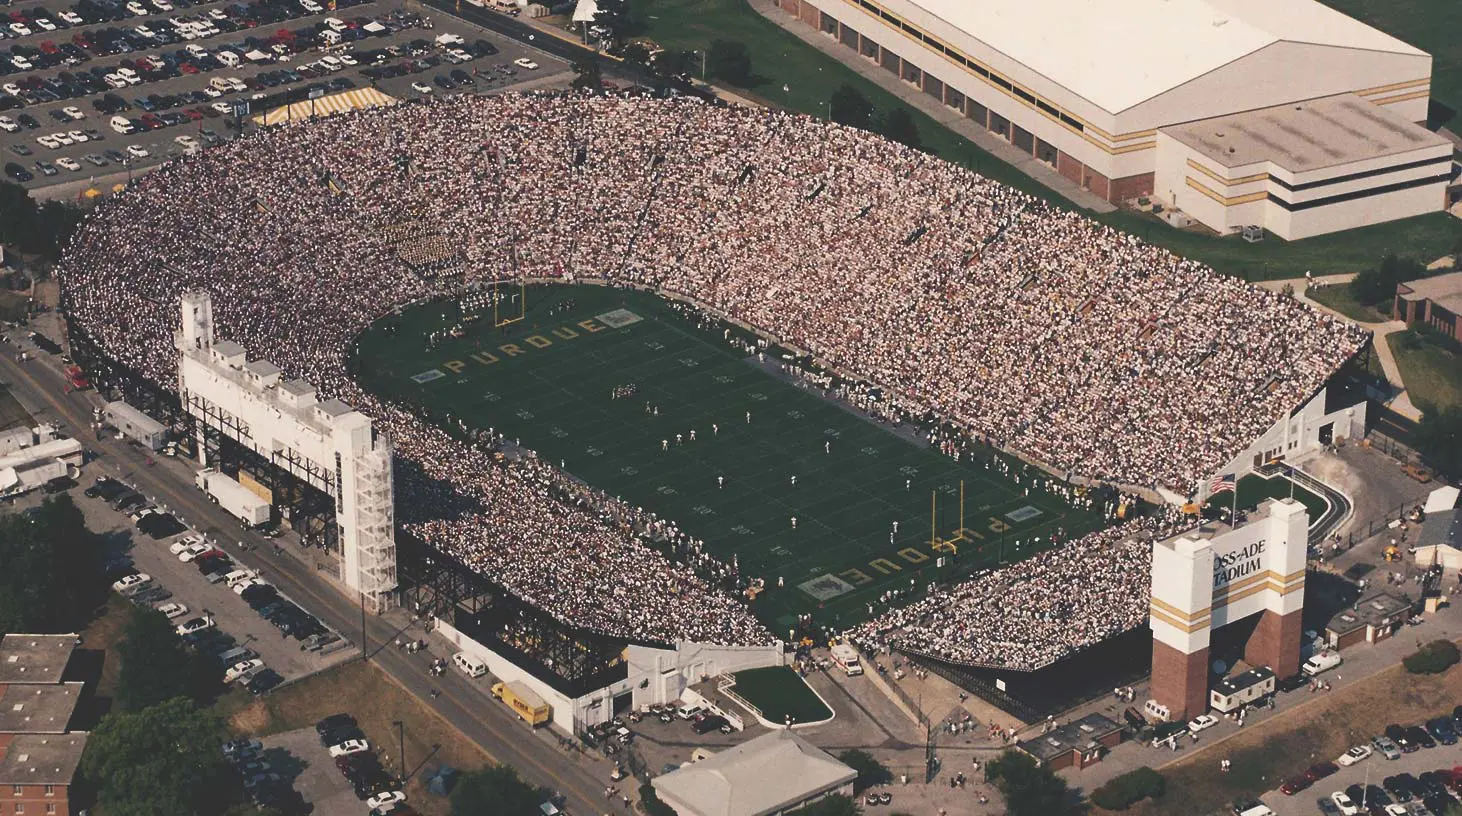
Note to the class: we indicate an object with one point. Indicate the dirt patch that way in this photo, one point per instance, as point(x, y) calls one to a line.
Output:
point(1317, 731)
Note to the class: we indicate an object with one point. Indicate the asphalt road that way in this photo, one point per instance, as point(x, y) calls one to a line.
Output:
point(39, 385)
point(160, 143)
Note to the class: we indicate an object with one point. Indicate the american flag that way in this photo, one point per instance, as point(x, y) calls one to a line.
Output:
point(1220, 484)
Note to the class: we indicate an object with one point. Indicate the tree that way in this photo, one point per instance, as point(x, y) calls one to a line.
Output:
point(587, 75)
point(155, 667)
point(34, 228)
point(835, 805)
point(1373, 286)
point(623, 18)
point(1439, 438)
point(870, 771)
point(850, 107)
point(1029, 789)
point(729, 60)
point(1121, 792)
point(899, 125)
point(52, 581)
point(162, 759)
point(495, 789)
point(1433, 658)
point(676, 64)
point(636, 53)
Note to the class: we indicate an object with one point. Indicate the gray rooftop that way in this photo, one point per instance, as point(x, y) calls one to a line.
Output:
point(1305, 136)
point(34, 658)
point(1445, 290)
point(334, 408)
point(1230, 686)
point(1076, 735)
point(31, 709)
point(228, 348)
point(297, 387)
point(263, 368)
point(1378, 609)
point(761, 776)
point(41, 759)
point(1444, 528)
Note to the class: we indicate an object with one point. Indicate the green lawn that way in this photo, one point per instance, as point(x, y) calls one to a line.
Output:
point(780, 60)
point(738, 485)
point(1254, 489)
point(778, 691)
point(1433, 374)
point(1339, 298)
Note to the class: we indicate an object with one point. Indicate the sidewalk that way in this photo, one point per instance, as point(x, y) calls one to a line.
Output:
point(943, 114)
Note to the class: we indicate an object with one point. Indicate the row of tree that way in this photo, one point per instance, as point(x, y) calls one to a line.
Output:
point(32, 227)
point(52, 581)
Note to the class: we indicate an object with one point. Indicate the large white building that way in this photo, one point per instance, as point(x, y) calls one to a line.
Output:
point(1279, 113)
point(326, 444)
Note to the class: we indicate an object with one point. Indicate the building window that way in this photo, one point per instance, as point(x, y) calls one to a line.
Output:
point(51, 807)
point(17, 789)
point(19, 808)
point(50, 790)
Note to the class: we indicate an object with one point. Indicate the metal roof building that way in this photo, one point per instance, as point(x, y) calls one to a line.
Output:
point(774, 773)
point(1088, 87)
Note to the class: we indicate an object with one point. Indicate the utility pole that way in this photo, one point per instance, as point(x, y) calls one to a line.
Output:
point(360, 594)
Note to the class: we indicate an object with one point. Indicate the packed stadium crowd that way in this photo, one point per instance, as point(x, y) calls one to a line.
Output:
point(1031, 327)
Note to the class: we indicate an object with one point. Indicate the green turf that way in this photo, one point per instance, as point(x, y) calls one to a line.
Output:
point(1254, 489)
point(556, 399)
point(794, 75)
point(1339, 298)
point(778, 691)
point(1432, 372)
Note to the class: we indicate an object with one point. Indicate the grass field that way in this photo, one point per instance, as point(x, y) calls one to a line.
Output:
point(1254, 488)
point(548, 380)
point(779, 59)
point(1432, 373)
point(1339, 298)
point(779, 692)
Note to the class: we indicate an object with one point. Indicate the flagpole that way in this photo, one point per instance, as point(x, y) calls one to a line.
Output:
point(1234, 514)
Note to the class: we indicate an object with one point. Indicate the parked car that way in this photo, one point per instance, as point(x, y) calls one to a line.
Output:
point(350, 746)
point(132, 582)
point(173, 610)
point(1354, 755)
point(192, 625)
point(1388, 747)
point(1202, 722)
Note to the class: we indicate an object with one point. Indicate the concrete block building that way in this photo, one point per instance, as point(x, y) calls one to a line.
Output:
point(39, 754)
point(1284, 114)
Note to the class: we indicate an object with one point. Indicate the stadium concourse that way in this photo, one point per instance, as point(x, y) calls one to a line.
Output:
point(1034, 328)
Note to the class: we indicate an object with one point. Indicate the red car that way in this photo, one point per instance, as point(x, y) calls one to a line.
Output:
point(1320, 770)
point(48, 47)
point(1295, 785)
point(187, 68)
point(192, 114)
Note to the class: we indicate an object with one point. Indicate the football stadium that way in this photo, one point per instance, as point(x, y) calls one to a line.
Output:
point(663, 375)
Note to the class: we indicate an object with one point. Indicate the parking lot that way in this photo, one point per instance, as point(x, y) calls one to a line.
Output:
point(183, 584)
point(312, 772)
point(181, 69)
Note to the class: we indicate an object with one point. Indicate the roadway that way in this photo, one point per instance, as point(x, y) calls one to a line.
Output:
point(40, 387)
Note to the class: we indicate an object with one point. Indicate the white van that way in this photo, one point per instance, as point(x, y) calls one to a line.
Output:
point(1322, 662)
point(470, 666)
point(123, 125)
point(228, 59)
point(335, 24)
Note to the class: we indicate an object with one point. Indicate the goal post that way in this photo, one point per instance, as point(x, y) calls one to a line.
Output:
point(501, 317)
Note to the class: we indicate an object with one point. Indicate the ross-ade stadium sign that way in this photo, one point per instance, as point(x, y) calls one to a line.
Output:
point(1245, 561)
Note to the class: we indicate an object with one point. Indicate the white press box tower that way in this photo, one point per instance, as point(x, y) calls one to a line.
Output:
point(1202, 582)
point(328, 445)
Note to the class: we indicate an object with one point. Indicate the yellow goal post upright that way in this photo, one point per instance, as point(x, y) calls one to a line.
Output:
point(938, 543)
point(498, 288)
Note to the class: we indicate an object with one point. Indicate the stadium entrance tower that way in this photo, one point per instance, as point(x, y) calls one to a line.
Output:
point(1211, 577)
point(328, 445)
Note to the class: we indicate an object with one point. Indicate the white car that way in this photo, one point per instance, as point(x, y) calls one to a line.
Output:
point(70, 18)
point(77, 136)
point(74, 112)
point(182, 544)
point(223, 107)
point(172, 610)
point(68, 164)
point(133, 581)
point(62, 138)
point(8, 125)
point(349, 747)
point(48, 142)
point(1201, 722)
point(244, 586)
point(238, 576)
point(1347, 807)
point(524, 62)
point(186, 141)
point(43, 24)
point(348, 60)
point(162, 5)
point(21, 63)
point(137, 151)
point(384, 798)
point(1359, 753)
point(145, 31)
point(137, 8)
point(10, 88)
point(242, 668)
point(20, 29)
point(421, 87)
point(192, 551)
point(192, 625)
point(114, 81)
point(311, 6)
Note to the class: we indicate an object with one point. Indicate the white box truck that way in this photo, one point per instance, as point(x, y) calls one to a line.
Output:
point(239, 501)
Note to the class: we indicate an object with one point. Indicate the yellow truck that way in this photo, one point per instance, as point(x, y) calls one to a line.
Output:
point(524, 702)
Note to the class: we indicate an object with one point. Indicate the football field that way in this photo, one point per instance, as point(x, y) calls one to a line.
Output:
point(728, 448)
